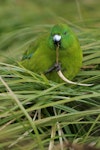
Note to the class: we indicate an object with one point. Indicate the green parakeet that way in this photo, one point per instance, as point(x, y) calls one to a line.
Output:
point(41, 57)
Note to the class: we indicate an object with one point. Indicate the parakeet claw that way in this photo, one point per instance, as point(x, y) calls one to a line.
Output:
point(56, 67)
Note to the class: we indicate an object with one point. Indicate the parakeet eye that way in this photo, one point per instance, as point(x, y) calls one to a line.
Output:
point(65, 32)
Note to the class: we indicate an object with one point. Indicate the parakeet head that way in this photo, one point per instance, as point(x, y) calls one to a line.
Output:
point(61, 34)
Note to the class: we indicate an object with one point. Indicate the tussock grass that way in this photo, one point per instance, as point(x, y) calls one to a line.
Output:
point(39, 114)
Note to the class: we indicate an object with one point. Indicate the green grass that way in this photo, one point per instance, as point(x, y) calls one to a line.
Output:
point(35, 113)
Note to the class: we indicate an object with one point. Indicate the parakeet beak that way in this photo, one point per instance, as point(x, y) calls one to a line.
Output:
point(56, 39)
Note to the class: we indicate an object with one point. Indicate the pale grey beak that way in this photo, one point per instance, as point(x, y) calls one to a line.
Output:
point(56, 38)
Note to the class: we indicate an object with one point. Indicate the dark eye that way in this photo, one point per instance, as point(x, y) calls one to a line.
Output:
point(65, 33)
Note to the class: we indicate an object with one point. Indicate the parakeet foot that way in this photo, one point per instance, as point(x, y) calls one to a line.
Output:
point(56, 67)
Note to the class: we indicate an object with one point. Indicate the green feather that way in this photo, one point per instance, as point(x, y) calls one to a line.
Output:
point(41, 56)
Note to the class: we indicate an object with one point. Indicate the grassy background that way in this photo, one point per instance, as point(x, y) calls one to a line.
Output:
point(61, 113)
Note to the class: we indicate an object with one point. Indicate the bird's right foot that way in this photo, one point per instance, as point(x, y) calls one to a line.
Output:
point(56, 67)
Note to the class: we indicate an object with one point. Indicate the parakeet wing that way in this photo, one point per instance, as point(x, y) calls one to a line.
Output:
point(33, 47)
point(30, 50)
